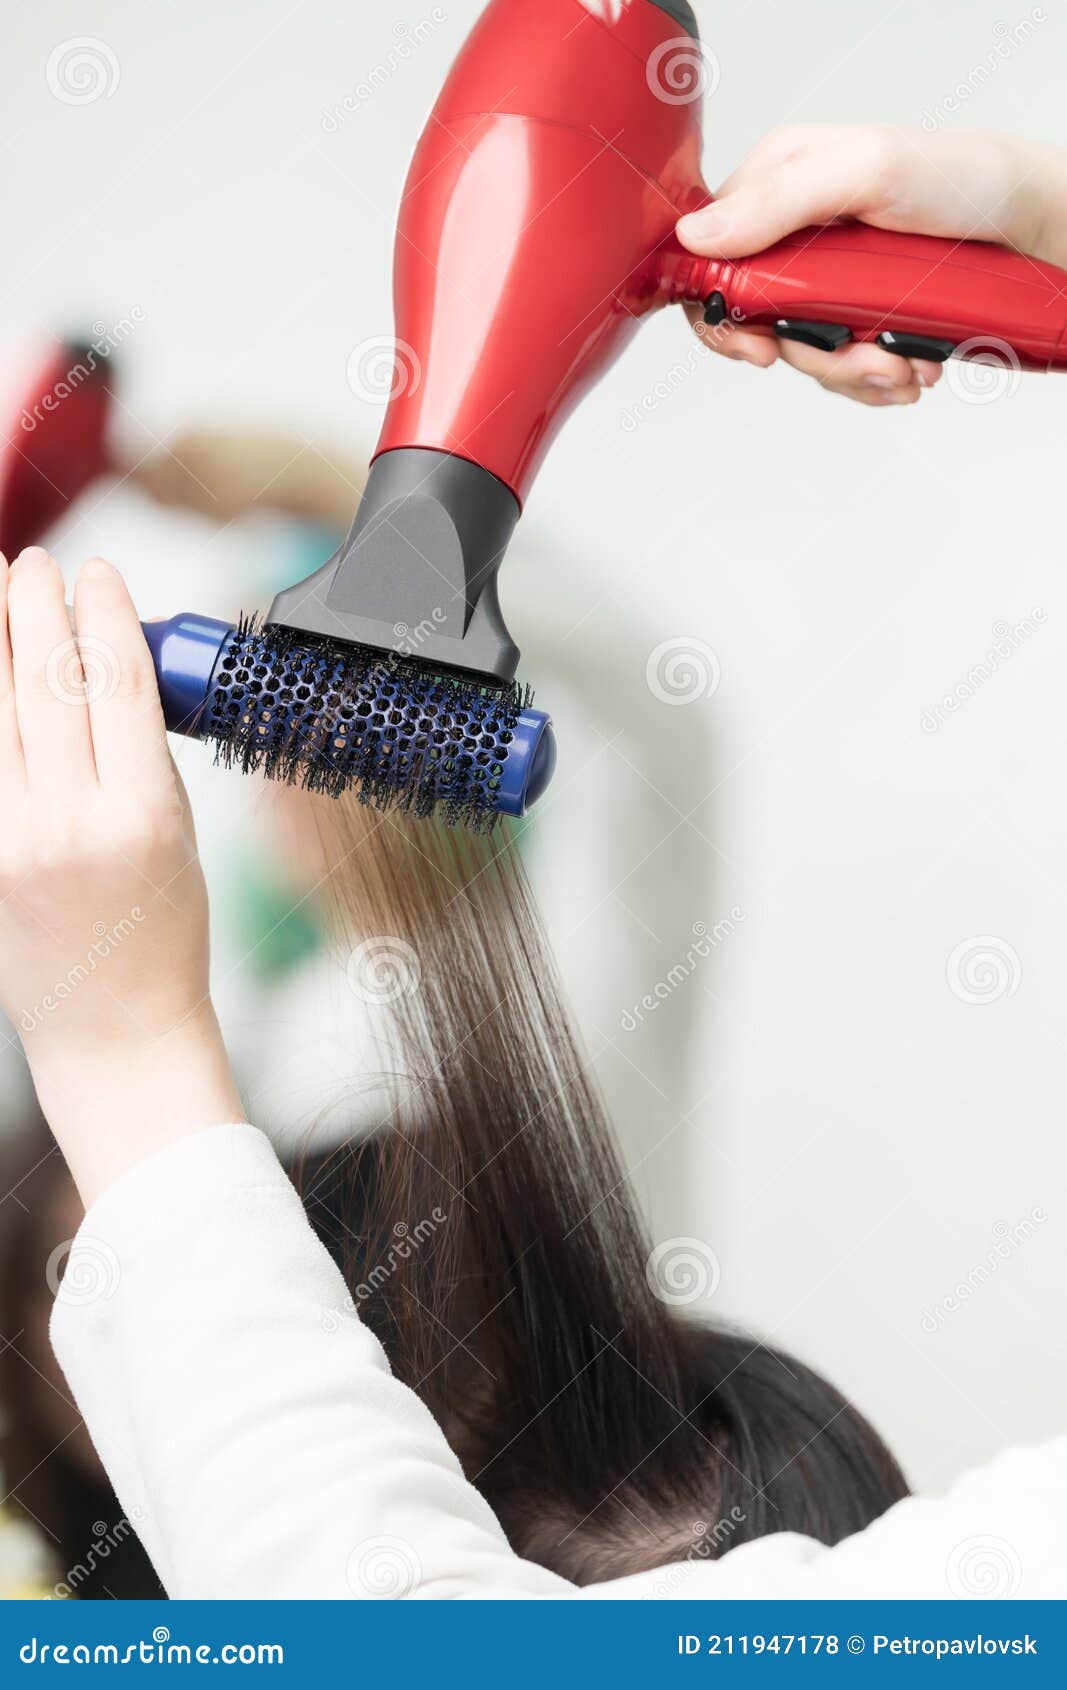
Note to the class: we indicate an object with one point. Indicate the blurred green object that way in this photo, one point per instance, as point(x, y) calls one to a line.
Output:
point(303, 547)
point(273, 930)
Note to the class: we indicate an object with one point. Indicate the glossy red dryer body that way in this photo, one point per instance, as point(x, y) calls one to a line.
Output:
point(535, 227)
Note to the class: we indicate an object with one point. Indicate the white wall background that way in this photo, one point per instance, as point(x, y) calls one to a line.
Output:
point(815, 1101)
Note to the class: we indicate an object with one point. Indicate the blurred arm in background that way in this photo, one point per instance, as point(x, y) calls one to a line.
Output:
point(224, 472)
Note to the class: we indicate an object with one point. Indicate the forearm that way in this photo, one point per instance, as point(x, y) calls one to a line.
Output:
point(318, 490)
point(109, 1108)
point(224, 473)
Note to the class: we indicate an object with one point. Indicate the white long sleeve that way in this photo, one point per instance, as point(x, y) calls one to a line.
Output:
point(253, 1431)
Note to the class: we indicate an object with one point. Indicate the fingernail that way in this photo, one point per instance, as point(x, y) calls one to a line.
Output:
point(702, 225)
point(31, 557)
point(880, 381)
point(97, 567)
point(921, 379)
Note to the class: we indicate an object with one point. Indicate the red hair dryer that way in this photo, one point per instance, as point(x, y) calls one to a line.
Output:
point(535, 233)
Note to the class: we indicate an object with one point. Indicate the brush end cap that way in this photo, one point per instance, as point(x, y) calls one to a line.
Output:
point(185, 651)
point(530, 763)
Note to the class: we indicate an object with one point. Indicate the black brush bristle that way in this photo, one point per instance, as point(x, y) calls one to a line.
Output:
point(334, 717)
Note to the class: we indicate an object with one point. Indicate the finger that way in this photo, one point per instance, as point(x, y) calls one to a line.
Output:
point(861, 372)
point(12, 765)
point(857, 362)
point(747, 346)
point(868, 393)
point(760, 346)
point(50, 706)
point(182, 796)
point(129, 736)
point(810, 186)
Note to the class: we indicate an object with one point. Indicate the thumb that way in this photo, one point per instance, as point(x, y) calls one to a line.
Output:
point(763, 209)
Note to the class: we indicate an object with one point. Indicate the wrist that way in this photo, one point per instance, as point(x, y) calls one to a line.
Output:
point(115, 1105)
point(1039, 211)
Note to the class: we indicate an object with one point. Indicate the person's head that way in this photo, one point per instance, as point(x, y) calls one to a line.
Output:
point(490, 1238)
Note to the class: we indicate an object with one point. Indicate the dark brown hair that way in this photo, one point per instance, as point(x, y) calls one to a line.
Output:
point(491, 1240)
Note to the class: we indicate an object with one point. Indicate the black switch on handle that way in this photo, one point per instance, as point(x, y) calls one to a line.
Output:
point(825, 337)
point(916, 346)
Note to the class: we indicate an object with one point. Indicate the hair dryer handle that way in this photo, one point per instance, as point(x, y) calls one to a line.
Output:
point(919, 295)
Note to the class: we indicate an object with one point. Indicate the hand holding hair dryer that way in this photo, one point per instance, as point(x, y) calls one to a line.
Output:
point(536, 232)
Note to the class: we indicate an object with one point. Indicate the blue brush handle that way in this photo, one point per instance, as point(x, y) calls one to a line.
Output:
point(187, 650)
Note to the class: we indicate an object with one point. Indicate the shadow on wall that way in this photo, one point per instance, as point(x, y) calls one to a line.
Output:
point(629, 886)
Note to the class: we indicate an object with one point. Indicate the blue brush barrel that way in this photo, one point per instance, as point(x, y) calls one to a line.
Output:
point(334, 718)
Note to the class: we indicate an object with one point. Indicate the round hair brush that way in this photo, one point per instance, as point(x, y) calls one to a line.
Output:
point(332, 717)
